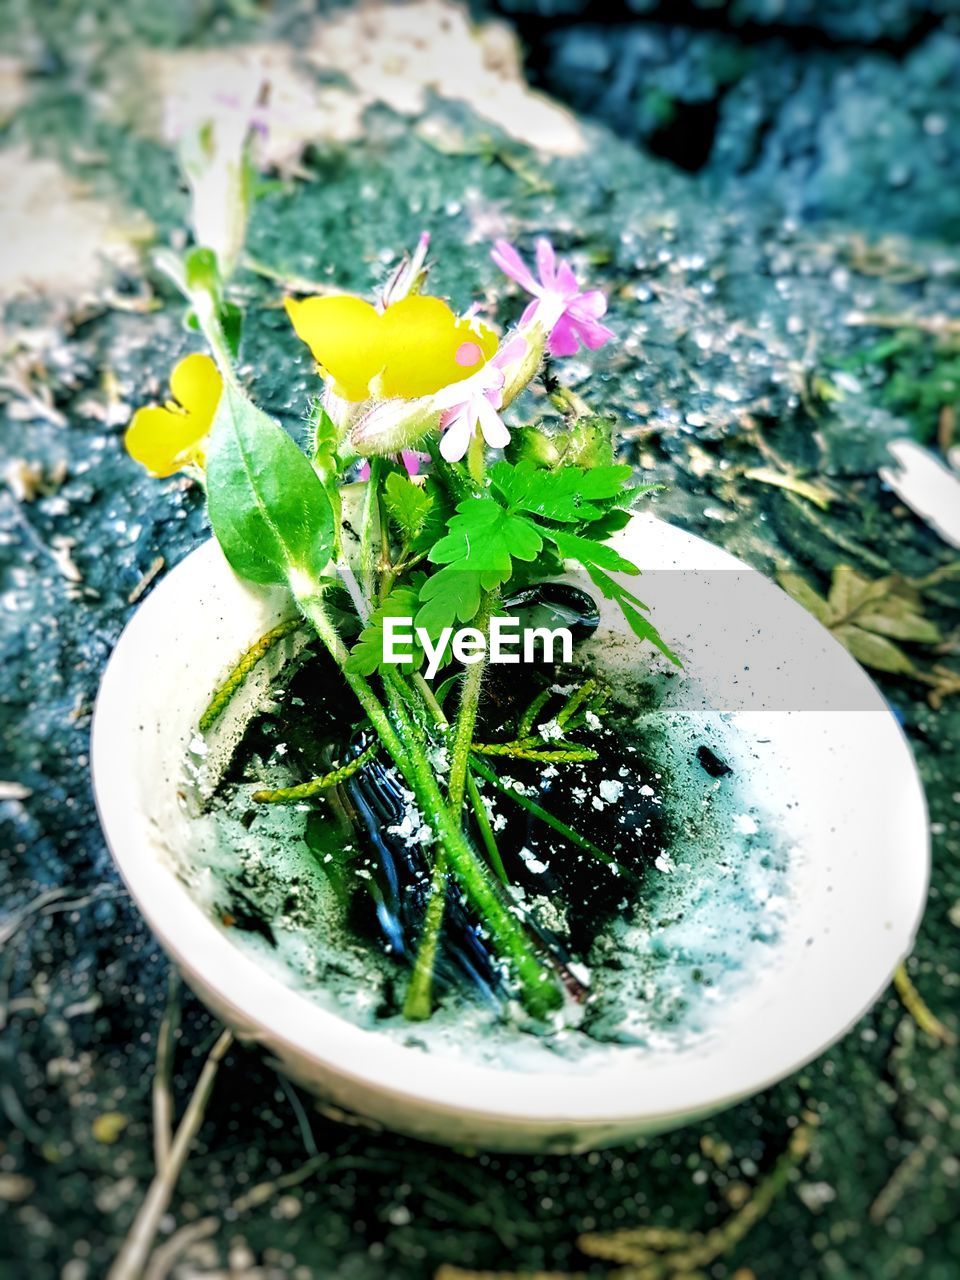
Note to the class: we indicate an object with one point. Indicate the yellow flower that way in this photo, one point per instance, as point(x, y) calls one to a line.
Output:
point(166, 438)
point(413, 348)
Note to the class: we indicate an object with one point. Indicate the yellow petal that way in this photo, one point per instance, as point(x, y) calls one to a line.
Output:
point(196, 385)
point(163, 440)
point(427, 347)
point(345, 336)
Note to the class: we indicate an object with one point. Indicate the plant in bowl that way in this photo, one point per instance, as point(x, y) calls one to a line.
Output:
point(417, 794)
point(425, 559)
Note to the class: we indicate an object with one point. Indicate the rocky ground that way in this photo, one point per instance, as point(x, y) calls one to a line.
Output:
point(769, 196)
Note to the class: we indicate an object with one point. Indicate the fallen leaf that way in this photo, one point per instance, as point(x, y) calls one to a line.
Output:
point(815, 493)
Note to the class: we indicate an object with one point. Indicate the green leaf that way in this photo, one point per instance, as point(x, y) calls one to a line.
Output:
point(231, 322)
point(482, 537)
point(610, 522)
point(437, 518)
point(202, 271)
point(268, 508)
point(894, 618)
point(441, 691)
point(589, 553)
point(850, 590)
point(634, 610)
point(800, 590)
point(408, 504)
point(366, 656)
point(449, 597)
point(818, 494)
point(323, 440)
point(567, 495)
point(874, 651)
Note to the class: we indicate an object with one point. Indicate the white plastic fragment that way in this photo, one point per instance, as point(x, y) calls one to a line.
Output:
point(926, 486)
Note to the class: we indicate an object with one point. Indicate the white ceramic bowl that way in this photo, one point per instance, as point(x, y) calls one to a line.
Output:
point(830, 758)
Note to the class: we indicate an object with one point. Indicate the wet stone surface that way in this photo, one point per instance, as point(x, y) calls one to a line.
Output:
point(740, 352)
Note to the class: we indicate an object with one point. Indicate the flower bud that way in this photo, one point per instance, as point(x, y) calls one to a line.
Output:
point(391, 425)
point(521, 373)
point(410, 276)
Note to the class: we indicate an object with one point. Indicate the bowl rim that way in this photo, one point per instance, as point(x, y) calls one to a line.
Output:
point(268, 1010)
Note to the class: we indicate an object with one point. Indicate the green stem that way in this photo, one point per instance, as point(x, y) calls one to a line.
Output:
point(544, 815)
point(427, 694)
point(418, 1003)
point(538, 989)
point(224, 692)
point(476, 461)
point(287, 795)
point(485, 829)
point(467, 716)
point(369, 521)
point(419, 994)
point(532, 751)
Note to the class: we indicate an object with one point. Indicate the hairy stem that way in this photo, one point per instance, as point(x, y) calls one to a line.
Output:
point(288, 795)
point(225, 691)
point(467, 717)
point(538, 989)
point(476, 462)
point(418, 1003)
point(369, 530)
point(419, 994)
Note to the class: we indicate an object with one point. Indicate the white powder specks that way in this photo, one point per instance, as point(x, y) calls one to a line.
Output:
point(533, 864)
point(551, 731)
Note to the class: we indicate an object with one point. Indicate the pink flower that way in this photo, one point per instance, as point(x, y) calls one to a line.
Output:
point(409, 457)
point(475, 402)
point(569, 315)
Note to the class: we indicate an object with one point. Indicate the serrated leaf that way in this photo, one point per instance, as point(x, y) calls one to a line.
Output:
point(568, 495)
point(448, 597)
point(634, 611)
point(874, 651)
point(800, 590)
point(610, 522)
point(268, 508)
point(366, 656)
point(597, 559)
point(482, 537)
point(589, 553)
point(408, 504)
point(438, 517)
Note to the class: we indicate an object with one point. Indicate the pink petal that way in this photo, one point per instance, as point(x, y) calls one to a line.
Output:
point(510, 263)
point(511, 352)
point(411, 460)
point(529, 313)
point(563, 338)
point(591, 333)
point(567, 281)
point(364, 472)
point(546, 263)
point(588, 306)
